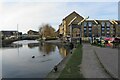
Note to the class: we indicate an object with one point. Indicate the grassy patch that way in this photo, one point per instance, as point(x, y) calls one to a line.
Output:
point(72, 69)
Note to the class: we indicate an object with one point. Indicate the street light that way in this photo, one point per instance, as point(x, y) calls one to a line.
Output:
point(80, 27)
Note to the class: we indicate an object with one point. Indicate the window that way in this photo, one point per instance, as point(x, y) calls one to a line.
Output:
point(108, 28)
point(90, 28)
point(85, 32)
point(85, 23)
point(108, 32)
point(84, 28)
point(90, 33)
point(103, 23)
point(103, 29)
point(89, 23)
point(108, 24)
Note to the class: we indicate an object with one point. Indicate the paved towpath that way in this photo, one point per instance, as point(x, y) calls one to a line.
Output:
point(99, 62)
point(109, 59)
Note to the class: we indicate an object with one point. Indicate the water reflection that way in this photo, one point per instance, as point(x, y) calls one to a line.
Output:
point(12, 46)
point(46, 48)
point(32, 45)
point(63, 51)
point(20, 60)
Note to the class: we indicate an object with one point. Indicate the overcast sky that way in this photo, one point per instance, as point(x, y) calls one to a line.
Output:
point(29, 15)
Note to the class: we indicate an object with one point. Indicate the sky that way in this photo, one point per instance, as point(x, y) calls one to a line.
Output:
point(119, 10)
point(31, 14)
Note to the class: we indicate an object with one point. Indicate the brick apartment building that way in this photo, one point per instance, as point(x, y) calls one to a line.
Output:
point(88, 28)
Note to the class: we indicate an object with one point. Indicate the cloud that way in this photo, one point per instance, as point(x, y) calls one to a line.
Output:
point(27, 14)
point(31, 15)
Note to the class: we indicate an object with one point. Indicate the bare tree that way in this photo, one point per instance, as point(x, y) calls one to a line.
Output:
point(46, 30)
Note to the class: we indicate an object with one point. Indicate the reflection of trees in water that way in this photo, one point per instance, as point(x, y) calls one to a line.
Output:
point(46, 48)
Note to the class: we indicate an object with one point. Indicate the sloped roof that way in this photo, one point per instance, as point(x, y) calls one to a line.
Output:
point(71, 14)
point(33, 31)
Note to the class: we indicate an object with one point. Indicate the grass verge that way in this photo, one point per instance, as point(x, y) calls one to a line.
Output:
point(72, 68)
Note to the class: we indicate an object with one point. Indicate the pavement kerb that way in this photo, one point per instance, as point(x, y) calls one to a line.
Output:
point(102, 65)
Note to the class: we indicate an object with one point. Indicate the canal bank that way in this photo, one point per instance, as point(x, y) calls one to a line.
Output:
point(69, 66)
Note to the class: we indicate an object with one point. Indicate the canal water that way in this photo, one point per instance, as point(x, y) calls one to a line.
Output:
point(17, 61)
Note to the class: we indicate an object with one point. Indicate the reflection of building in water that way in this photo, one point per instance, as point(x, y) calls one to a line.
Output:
point(63, 52)
point(13, 46)
point(47, 48)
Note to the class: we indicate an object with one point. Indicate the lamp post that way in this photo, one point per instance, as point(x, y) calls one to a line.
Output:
point(80, 24)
